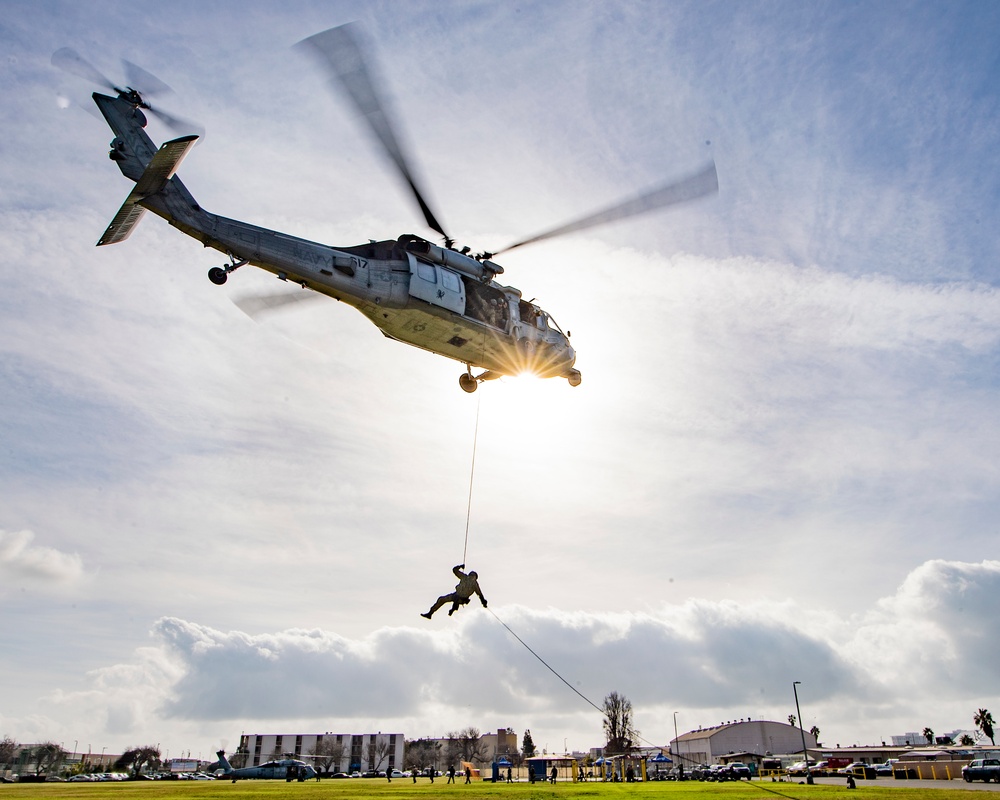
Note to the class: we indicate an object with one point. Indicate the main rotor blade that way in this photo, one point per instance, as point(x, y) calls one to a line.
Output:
point(178, 124)
point(258, 305)
point(145, 83)
point(67, 59)
point(340, 52)
point(698, 185)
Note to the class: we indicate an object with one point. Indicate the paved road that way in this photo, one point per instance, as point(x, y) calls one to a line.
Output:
point(892, 783)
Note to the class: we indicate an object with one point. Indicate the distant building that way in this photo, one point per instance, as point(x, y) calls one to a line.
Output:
point(915, 739)
point(501, 743)
point(750, 737)
point(492, 746)
point(362, 751)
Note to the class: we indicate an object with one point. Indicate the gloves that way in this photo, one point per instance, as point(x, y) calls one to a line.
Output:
point(484, 602)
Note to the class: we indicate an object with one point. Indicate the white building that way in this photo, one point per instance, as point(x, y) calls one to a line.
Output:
point(752, 737)
point(362, 751)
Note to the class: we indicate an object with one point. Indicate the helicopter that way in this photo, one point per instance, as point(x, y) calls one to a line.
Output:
point(287, 769)
point(432, 296)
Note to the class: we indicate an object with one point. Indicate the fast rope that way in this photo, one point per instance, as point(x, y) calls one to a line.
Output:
point(472, 475)
point(758, 784)
point(549, 668)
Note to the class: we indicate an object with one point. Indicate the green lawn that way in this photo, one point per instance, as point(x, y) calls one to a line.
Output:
point(404, 789)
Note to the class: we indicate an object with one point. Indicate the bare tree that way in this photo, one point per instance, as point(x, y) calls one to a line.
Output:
point(47, 757)
point(984, 721)
point(422, 753)
point(329, 752)
point(619, 731)
point(8, 751)
point(473, 747)
point(378, 749)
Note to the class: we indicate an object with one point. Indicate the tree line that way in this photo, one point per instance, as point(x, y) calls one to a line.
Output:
point(621, 738)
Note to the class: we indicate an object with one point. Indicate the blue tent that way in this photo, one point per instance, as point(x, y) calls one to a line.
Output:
point(661, 759)
point(503, 762)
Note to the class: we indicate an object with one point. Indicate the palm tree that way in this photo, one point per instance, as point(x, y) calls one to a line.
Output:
point(984, 721)
point(929, 735)
point(814, 732)
point(791, 719)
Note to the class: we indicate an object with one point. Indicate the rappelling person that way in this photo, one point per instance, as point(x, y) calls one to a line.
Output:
point(468, 585)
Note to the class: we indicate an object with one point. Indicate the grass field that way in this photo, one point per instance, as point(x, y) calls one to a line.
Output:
point(401, 789)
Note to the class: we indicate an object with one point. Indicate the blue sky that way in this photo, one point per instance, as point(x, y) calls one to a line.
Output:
point(781, 465)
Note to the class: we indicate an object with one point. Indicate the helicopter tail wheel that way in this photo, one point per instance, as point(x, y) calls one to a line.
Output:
point(218, 275)
point(574, 377)
point(467, 382)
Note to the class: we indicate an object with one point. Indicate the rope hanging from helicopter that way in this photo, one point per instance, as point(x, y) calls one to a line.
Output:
point(472, 475)
point(603, 712)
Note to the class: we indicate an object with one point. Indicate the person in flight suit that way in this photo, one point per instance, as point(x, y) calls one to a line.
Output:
point(468, 585)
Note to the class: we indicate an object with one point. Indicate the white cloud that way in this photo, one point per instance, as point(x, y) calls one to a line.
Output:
point(938, 628)
point(720, 657)
point(22, 560)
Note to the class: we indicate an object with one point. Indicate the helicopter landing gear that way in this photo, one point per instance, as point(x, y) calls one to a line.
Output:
point(467, 382)
point(219, 275)
point(470, 382)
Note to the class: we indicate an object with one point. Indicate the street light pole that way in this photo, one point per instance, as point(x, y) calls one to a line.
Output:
point(805, 753)
point(677, 755)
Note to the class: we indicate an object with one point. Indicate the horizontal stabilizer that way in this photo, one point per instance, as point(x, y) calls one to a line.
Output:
point(161, 168)
point(121, 226)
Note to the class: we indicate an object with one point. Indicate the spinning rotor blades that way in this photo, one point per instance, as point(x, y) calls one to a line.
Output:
point(256, 306)
point(141, 84)
point(698, 185)
point(68, 60)
point(340, 52)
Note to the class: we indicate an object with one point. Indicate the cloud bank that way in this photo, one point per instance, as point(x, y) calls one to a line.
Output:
point(721, 658)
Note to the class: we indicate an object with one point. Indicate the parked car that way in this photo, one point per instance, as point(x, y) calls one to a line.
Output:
point(396, 774)
point(820, 769)
point(340, 775)
point(982, 769)
point(799, 767)
point(738, 771)
point(885, 770)
point(859, 770)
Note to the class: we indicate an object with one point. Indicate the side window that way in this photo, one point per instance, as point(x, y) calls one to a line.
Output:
point(426, 272)
point(450, 281)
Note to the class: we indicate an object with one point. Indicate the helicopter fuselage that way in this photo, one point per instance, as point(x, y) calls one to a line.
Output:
point(416, 292)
